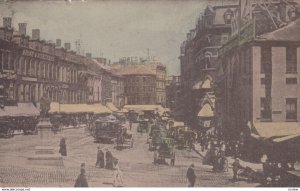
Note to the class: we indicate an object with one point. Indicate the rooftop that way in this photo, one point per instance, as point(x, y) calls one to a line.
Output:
point(290, 32)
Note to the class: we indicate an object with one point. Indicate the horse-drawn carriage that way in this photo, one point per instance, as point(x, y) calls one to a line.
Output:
point(105, 129)
point(143, 126)
point(124, 139)
point(185, 138)
point(155, 137)
point(165, 151)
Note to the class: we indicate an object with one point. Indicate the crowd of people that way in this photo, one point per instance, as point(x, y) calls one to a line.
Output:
point(104, 160)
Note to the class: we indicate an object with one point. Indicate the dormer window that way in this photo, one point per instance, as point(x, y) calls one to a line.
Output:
point(292, 13)
point(228, 15)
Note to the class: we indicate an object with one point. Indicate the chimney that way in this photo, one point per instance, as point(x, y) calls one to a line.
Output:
point(7, 22)
point(22, 28)
point(36, 34)
point(88, 55)
point(68, 46)
point(58, 43)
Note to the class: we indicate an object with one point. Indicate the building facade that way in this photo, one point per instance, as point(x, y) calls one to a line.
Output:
point(32, 68)
point(258, 75)
point(198, 58)
point(141, 72)
point(117, 86)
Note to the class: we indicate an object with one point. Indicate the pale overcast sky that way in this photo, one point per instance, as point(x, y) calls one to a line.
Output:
point(114, 28)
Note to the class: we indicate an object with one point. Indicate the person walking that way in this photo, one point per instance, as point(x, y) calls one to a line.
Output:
point(81, 180)
point(191, 176)
point(100, 158)
point(109, 159)
point(118, 176)
point(130, 124)
point(236, 166)
point(63, 147)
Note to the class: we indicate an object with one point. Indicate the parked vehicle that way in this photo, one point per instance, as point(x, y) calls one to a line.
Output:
point(124, 139)
point(105, 130)
point(165, 151)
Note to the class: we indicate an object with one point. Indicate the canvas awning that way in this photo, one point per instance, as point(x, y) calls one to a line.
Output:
point(19, 110)
point(206, 84)
point(54, 107)
point(197, 85)
point(78, 108)
point(112, 107)
point(206, 111)
point(277, 129)
point(157, 108)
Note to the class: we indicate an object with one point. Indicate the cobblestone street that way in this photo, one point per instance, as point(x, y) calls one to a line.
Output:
point(136, 164)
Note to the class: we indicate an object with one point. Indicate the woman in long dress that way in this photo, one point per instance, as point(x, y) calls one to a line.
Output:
point(118, 177)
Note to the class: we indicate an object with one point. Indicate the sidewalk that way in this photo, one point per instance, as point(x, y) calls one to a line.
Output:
point(254, 166)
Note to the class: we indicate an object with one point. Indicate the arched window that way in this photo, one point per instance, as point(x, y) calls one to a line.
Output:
point(28, 67)
point(228, 15)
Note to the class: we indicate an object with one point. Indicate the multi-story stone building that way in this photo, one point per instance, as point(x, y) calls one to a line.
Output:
point(117, 86)
point(174, 97)
point(32, 68)
point(258, 75)
point(133, 66)
point(198, 58)
point(139, 85)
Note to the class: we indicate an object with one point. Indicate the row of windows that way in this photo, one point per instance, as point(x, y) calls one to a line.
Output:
point(266, 59)
point(140, 100)
point(139, 79)
point(139, 89)
point(291, 109)
point(267, 81)
point(36, 68)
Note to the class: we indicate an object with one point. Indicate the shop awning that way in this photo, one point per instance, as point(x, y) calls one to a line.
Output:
point(206, 111)
point(277, 129)
point(197, 85)
point(78, 108)
point(206, 84)
point(157, 108)
point(286, 138)
point(19, 110)
point(112, 107)
point(54, 107)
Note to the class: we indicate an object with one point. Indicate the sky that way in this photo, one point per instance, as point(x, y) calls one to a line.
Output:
point(113, 28)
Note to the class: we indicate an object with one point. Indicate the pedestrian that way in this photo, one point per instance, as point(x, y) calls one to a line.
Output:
point(81, 180)
point(190, 175)
point(235, 167)
point(82, 166)
point(118, 177)
point(109, 158)
point(130, 124)
point(100, 158)
point(63, 147)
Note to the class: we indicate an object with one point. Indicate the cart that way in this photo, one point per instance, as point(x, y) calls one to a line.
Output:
point(143, 126)
point(124, 139)
point(105, 130)
point(165, 151)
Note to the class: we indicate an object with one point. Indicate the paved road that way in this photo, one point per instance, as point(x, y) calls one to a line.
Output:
point(135, 163)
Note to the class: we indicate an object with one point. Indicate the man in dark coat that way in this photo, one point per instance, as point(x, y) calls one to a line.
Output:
point(109, 158)
point(236, 166)
point(191, 176)
point(100, 158)
point(81, 180)
point(63, 147)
